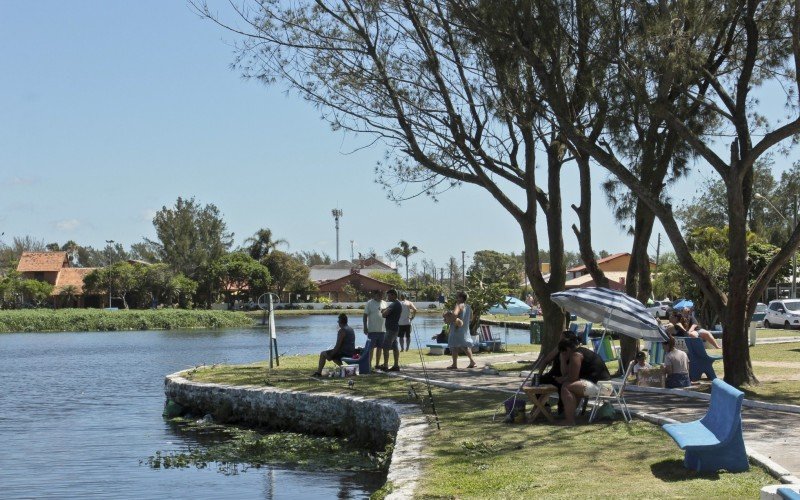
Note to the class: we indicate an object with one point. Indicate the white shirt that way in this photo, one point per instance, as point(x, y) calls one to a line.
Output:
point(405, 313)
point(375, 322)
point(637, 367)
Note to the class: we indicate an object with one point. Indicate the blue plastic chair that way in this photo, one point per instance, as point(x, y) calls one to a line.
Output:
point(587, 330)
point(573, 327)
point(656, 353)
point(363, 361)
point(715, 441)
point(700, 362)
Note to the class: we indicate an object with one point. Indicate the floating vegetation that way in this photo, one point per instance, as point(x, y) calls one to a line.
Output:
point(232, 450)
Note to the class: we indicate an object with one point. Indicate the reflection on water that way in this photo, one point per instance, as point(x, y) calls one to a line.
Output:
point(78, 411)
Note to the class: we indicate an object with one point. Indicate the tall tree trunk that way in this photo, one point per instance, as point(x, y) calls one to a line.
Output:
point(637, 281)
point(735, 341)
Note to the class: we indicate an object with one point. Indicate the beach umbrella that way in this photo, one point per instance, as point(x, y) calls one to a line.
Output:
point(616, 311)
point(512, 306)
point(683, 303)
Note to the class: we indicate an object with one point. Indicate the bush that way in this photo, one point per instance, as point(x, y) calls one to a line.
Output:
point(82, 320)
point(310, 307)
point(329, 306)
point(433, 306)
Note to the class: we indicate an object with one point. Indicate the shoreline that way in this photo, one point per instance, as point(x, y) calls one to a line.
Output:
point(374, 422)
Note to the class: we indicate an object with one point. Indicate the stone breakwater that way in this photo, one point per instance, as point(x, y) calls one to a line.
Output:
point(371, 422)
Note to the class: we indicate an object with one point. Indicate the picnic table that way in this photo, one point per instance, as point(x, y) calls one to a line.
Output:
point(538, 395)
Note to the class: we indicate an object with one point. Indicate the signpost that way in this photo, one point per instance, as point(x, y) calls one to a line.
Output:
point(266, 303)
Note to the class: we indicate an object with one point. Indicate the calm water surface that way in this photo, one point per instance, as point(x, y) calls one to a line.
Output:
point(78, 411)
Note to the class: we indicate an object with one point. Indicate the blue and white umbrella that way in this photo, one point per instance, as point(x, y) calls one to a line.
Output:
point(614, 310)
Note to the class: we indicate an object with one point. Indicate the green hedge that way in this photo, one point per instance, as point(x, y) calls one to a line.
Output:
point(87, 320)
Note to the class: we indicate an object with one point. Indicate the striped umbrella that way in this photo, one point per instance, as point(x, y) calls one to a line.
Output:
point(615, 310)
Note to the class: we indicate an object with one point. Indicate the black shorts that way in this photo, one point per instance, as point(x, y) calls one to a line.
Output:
point(404, 331)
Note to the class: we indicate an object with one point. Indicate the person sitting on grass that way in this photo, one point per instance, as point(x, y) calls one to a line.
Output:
point(582, 370)
point(676, 366)
point(345, 346)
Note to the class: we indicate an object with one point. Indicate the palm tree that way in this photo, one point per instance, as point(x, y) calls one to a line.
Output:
point(261, 244)
point(404, 250)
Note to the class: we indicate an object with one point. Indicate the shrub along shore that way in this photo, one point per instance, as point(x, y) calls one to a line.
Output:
point(88, 320)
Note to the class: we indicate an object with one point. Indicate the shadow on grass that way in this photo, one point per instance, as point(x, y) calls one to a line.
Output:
point(673, 471)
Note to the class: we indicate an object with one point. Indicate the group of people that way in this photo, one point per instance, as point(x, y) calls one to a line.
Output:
point(575, 370)
point(684, 324)
point(386, 323)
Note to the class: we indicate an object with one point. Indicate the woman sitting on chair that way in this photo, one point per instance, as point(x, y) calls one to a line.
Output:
point(582, 370)
point(345, 346)
point(686, 326)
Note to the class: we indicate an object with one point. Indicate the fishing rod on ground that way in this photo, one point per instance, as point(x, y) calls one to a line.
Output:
point(425, 374)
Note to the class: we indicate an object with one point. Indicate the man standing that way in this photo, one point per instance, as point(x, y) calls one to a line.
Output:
point(391, 313)
point(374, 325)
point(408, 313)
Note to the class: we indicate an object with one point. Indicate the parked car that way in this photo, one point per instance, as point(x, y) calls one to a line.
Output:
point(761, 312)
point(660, 308)
point(783, 313)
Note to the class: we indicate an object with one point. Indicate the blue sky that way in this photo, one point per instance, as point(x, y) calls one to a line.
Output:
point(111, 110)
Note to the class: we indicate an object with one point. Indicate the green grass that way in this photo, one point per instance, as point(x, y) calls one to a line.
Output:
point(775, 332)
point(474, 457)
point(87, 320)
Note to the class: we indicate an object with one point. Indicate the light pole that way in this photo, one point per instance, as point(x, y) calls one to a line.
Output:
point(759, 196)
point(463, 275)
point(337, 213)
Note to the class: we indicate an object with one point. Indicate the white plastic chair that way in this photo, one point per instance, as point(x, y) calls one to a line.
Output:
point(613, 390)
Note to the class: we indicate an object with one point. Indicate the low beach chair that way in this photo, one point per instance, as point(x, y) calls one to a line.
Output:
point(487, 341)
point(656, 351)
point(363, 361)
point(587, 331)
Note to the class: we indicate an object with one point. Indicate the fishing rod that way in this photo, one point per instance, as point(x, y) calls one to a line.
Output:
point(425, 374)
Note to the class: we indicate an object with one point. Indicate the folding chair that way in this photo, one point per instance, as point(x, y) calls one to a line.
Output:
point(613, 390)
point(604, 347)
point(656, 353)
point(487, 341)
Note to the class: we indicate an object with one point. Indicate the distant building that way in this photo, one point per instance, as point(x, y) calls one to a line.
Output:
point(55, 268)
point(615, 267)
point(331, 279)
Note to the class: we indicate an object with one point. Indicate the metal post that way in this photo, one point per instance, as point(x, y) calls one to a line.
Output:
point(463, 274)
point(337, 213)
point(794, 253)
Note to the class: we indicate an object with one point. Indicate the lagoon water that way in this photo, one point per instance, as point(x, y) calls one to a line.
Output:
point(78, 411)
